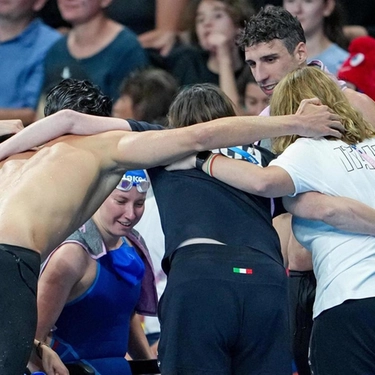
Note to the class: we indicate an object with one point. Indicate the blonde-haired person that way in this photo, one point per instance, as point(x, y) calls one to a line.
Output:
point(343, 262)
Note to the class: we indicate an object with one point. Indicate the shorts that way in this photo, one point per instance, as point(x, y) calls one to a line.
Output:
point(19, 270)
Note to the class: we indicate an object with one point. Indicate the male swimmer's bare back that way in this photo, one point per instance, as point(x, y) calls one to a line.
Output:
point(46, 195)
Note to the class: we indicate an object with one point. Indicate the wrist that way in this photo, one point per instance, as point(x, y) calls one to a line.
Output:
point(295, 124)
point(39, 347)
point(208, 164)
point(201, 158)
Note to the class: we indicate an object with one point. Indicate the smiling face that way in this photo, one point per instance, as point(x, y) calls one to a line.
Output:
point(270, 62)
point(310, 13)
point(213, 17)
point(120, 212)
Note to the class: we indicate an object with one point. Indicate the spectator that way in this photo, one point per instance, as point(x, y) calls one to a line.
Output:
point(96, 48)
point(146, 95)
point(322, 23)
point(214, 56)
point(253, 99)
point(24, 43)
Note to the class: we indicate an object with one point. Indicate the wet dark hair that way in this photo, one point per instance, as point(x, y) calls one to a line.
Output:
point(80, 96)
point(152, 91)
point(272, 23)
point(199, 103)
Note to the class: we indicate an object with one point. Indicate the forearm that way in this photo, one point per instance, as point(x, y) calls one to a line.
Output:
point(340, 212)
point(138, 347)
point(56, 125)
point(233, 131)
point(248, 177)
point(227, 81)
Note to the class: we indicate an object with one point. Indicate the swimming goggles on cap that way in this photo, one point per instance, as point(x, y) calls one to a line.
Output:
point(127, 183)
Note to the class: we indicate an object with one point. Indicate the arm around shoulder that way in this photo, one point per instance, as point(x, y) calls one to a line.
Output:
point(63, 122)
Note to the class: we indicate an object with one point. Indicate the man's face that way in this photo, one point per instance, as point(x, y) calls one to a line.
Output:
point(270, 62)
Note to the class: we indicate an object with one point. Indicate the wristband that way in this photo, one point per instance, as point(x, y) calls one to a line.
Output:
point(201, 158)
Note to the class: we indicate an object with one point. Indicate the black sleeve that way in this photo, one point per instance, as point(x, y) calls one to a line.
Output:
point(140, 126)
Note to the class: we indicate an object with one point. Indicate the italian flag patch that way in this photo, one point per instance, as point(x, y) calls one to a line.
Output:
point(247, 271)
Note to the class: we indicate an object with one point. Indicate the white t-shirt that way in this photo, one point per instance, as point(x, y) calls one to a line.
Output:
point(344, 263)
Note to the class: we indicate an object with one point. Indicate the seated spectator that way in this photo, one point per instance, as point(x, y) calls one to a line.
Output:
point(24, 42)
point(213, 56)
point(96, 48)
point(322, 22)
point(253, 99)
point(146, 95)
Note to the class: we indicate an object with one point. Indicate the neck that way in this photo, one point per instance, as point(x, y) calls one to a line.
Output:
point(87, 39)
point(9, 29)
point(111, 242)
point(317, 43)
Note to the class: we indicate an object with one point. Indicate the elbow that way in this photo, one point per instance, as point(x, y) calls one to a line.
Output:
point(261, 187)
point(201, 137)
point(68, 119)
point(327, 214)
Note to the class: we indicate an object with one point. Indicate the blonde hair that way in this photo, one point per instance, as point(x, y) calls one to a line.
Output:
point(310, 82)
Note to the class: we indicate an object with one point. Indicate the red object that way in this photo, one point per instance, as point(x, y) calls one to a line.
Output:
point(359, 67)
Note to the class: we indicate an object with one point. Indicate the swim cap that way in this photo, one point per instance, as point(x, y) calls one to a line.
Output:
point(136, 178)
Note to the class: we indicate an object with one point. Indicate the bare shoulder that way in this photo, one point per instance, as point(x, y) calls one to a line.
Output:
point(70, 260)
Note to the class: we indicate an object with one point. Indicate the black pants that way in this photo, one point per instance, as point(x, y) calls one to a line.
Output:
point(215, 320)
point(343, 339)
point(302, 285)
point(19, 270)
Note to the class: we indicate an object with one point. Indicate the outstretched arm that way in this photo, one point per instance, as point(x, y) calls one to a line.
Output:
point(56, 125)
point(343, 213)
